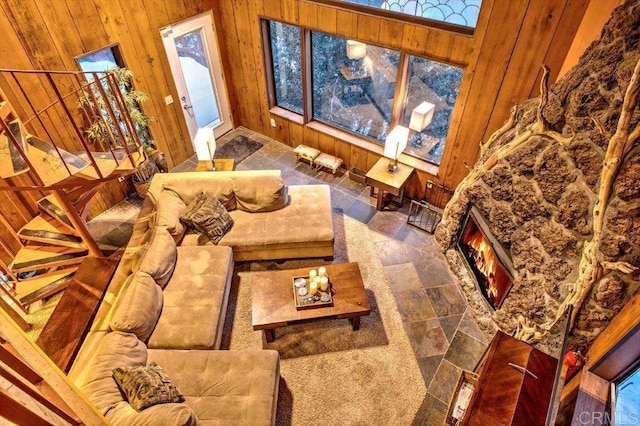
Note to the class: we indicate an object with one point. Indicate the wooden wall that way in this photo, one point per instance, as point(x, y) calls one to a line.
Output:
point(501, 67)
point(596, 15)
point(501, 63)
point(49, 34)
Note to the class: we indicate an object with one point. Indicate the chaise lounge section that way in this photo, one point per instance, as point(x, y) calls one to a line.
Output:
point(167, 301)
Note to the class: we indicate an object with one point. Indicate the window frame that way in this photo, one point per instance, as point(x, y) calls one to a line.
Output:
point(369, 10)
point(349, 136)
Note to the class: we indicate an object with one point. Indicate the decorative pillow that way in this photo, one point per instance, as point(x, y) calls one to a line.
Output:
point(187, 214)
point(138, 306)
point(170, 206)
point(158, 257)
point(146, 386)
point(264, 194)
point(212, 219)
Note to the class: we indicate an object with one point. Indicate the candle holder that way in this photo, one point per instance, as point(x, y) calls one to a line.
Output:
point(317, 292)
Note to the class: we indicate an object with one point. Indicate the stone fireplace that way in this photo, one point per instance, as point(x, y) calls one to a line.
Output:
point(558, 187)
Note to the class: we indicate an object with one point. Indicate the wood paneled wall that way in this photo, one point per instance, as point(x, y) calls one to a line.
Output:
point(49, 34)
point(501, 67)
point(501, 63)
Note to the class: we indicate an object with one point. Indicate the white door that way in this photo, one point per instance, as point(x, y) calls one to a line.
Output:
point(194, 57)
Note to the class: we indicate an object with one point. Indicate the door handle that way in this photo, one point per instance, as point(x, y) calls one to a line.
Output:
point(185, 106)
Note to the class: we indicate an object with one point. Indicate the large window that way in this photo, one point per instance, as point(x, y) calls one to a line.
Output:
point(432, 89)
point(360, 87)
point(287, 66)
point(353, 84)
point(458, 12)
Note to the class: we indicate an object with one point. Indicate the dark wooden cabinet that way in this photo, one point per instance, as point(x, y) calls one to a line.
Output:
point(514, 387)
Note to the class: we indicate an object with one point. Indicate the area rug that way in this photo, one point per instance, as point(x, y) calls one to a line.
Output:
point(238, 148)
point(331, 374)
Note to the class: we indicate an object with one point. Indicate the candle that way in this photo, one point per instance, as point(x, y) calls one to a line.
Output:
point(313, 288)
point(312, 274)
point(322, 272)
point(324, 283)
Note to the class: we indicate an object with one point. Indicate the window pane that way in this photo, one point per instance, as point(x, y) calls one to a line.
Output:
point(353, 84)
point(100, 61)
point(459, 12)
point(432, 88)
point(287, 69)
point(195, 68)
point(628, 399)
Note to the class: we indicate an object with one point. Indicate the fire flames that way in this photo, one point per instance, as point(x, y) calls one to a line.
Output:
point(491, 275)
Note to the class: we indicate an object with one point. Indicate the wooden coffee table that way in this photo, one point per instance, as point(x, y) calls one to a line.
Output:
point(273, 305)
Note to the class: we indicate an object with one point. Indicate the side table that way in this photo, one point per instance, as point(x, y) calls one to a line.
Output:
point(221, 164)
point(391, 182)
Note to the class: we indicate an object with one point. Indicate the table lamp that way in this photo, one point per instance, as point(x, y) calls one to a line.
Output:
point(356, 50)
point(421, 117)
point(205, 144)
point(394, 144)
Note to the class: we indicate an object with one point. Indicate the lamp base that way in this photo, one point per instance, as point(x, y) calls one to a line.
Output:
point(393, 166)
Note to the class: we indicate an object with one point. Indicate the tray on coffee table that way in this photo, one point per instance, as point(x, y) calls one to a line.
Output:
point(324, 298)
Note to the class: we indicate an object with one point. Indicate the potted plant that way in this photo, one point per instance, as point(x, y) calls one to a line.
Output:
point(102, 129)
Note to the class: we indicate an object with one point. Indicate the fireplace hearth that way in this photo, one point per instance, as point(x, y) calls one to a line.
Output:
point(486, 259)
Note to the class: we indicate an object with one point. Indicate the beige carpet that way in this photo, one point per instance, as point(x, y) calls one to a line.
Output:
point(332, 375)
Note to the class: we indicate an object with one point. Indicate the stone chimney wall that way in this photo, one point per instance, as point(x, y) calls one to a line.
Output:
point(539, 198)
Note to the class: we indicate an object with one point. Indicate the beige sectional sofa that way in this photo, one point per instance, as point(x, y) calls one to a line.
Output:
point(168, 298)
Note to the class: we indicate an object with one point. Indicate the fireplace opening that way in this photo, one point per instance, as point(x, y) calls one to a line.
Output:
point(486, 259)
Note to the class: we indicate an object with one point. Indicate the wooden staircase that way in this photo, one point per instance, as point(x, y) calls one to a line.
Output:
point(39, 256)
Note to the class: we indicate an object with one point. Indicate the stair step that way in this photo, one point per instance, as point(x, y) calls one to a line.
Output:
point(45, 229)
point(137, 157)
point(49, 165)
point(51, 206)
point(37, 288)
point(11, 162)
point(33, 257)
point(41, 273)
point(104, 161)
point(5, 110)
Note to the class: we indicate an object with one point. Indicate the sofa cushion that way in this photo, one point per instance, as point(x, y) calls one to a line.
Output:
point(219, 187)
point(225, 387)
point(195, 300)
point(306, 220)
point(115, 350)
point(168, 211)
point(158, 257)
point(212, 219)
point(260, 195)
point(146, 386)
point(175, 414)
point(138, 306)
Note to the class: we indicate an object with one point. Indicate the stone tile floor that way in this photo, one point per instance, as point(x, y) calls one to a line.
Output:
point(443, 334)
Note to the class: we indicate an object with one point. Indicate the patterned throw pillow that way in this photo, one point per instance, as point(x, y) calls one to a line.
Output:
point(187, 214)
point(146, 386)
point(212, 219)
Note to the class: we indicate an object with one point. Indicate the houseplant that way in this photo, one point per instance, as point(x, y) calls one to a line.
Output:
point(101, 107)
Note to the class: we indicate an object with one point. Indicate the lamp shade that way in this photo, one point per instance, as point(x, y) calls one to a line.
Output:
point(421, 116)
point(396, 142)
point(356, 50)
point(205, 145)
